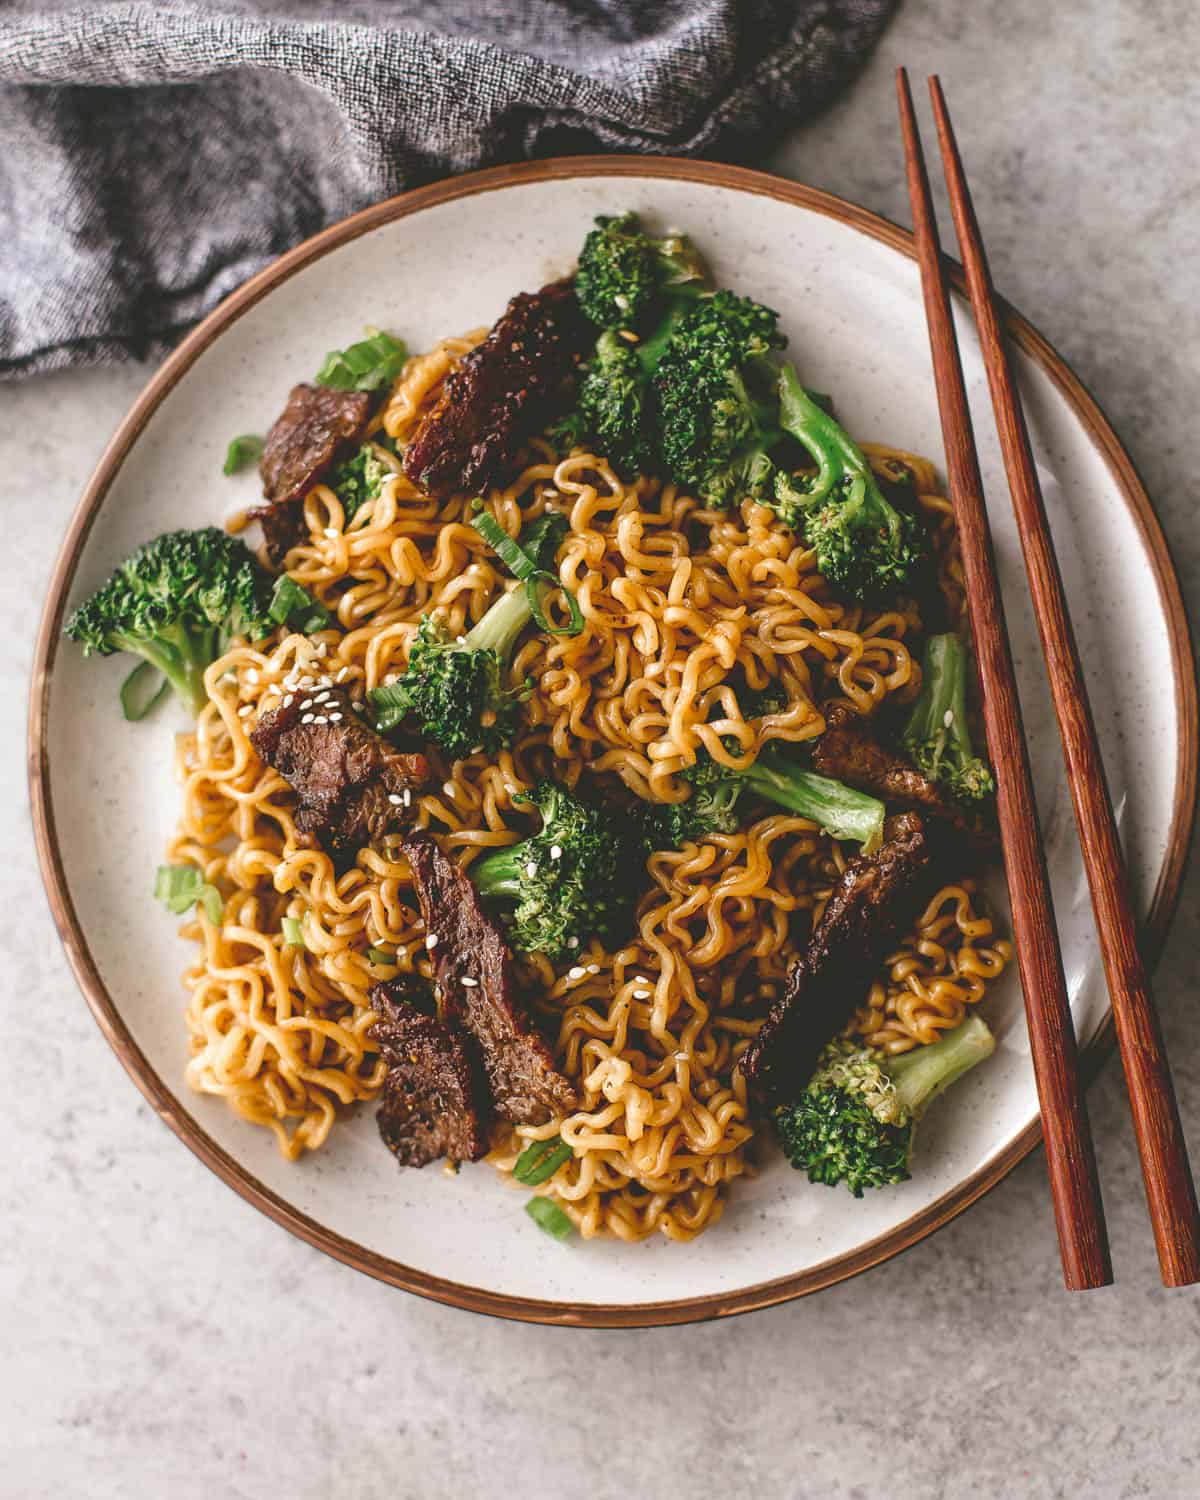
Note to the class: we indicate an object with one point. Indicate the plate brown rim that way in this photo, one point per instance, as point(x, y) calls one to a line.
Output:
point(103, 1007)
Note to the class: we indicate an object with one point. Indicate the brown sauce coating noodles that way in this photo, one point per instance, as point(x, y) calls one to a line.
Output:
point(682, 607)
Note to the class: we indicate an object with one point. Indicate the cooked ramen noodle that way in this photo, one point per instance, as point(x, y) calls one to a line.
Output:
point(680, 605)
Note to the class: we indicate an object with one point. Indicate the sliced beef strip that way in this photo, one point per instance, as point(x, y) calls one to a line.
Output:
point(848, 752)
point(501, 393)
point(474, 975)
point(316, 425)
point(875, 902)
point(349, 780)
point(434, 1101)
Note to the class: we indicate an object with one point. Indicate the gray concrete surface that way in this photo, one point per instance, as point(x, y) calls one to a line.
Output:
point(161, 1338)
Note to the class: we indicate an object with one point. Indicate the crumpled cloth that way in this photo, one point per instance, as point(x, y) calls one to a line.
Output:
point(153, 156)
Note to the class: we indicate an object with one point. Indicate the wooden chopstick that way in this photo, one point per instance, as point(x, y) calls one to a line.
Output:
point(1074, 1187)
point(1170, 1193)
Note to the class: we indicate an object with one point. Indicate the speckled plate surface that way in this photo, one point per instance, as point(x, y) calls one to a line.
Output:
point(447, 258)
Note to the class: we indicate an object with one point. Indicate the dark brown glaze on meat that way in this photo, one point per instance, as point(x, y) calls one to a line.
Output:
point(434, 1101)
point(876, 901)
point(848, 752)
point(474, 975)
point(500, 394)
point(344, 774)
point(315, 425)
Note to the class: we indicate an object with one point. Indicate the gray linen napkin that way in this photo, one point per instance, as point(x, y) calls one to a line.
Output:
point(152, 157)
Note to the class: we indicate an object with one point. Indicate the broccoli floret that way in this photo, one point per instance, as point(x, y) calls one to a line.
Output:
point(453, 691)
point(936, 734)
point(717, 408)
point(775, 777)
point(864, 545)
point(359, 479)
point(855, 1121)
point(576, 877)
point(624, 273)
point(613, 410)
point(178, 601)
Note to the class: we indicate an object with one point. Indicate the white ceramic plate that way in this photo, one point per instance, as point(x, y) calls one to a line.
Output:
point(445, 259)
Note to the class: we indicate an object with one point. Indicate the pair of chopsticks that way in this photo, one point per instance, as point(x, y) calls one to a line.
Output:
point(1074, 1186)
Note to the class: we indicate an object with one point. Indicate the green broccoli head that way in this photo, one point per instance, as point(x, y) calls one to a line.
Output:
point(863, 545)
point(453, 692)
point(359, 479)
point(614, 408)
point(714, 390)
point(579, 875)
point(177, 602)
point(856, 1120)
point(624, 273)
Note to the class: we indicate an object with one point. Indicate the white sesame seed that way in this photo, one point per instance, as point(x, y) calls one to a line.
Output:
point(460, 640)
point(343, 673)
point(431, 941)
point(308, 703)
point(448, 788)
point(948, 718)
point(531, 869)
point(395, 799)
point(593, 968)
point(321, 697)
point(245, 710)
point(331, 532)
point(641, 994)
point(289, 700)
point(576, 972)
point(307, 719)
point(573, 942)
point(469, 983)
point(389, 679)
point(320, 719)
point(252, 675)
point(335, 718)
point(555, 851)
point(407, 797)
point(322, 647)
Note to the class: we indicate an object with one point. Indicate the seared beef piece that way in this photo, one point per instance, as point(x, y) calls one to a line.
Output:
point(345, 775)
point(316, 424)
point(474, 975)
point(500, 394)
point(848, 752)
point(434, 1101)
point(873, 905)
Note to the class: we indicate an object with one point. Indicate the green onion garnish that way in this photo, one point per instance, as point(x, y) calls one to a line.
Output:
point(242, 451)
point(547, 1215)
point(527, 568)
point(364, 366)
point(142, 690)
point(540, 1160)
point(380, 956)
point(293, 933)
point(292, 604)
point(179, 887)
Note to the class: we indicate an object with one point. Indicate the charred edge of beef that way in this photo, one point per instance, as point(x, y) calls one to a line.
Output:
point(434, 1101)
point(500, 394)
point(849, 752)
point(875, 902)
point(315, 426)
point(474, 975)
point(345, 776)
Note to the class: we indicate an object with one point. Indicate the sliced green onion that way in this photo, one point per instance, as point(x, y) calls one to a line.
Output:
point(242, 451)
point(525, 568)
point(547, 1215)
point(380, 956)
point(364, 366)
point(292, 604)
point(540, 1160)
point(142, 690)
point(179, 887)
point(391, 704)
point(293, 933)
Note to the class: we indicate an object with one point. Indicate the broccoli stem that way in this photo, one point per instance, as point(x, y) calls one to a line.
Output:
point(182, 657)
point(924, 1073)
point(499, 875)
point(501, 627)
point(826, 440)
point(940, 711)
point(844, 812)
